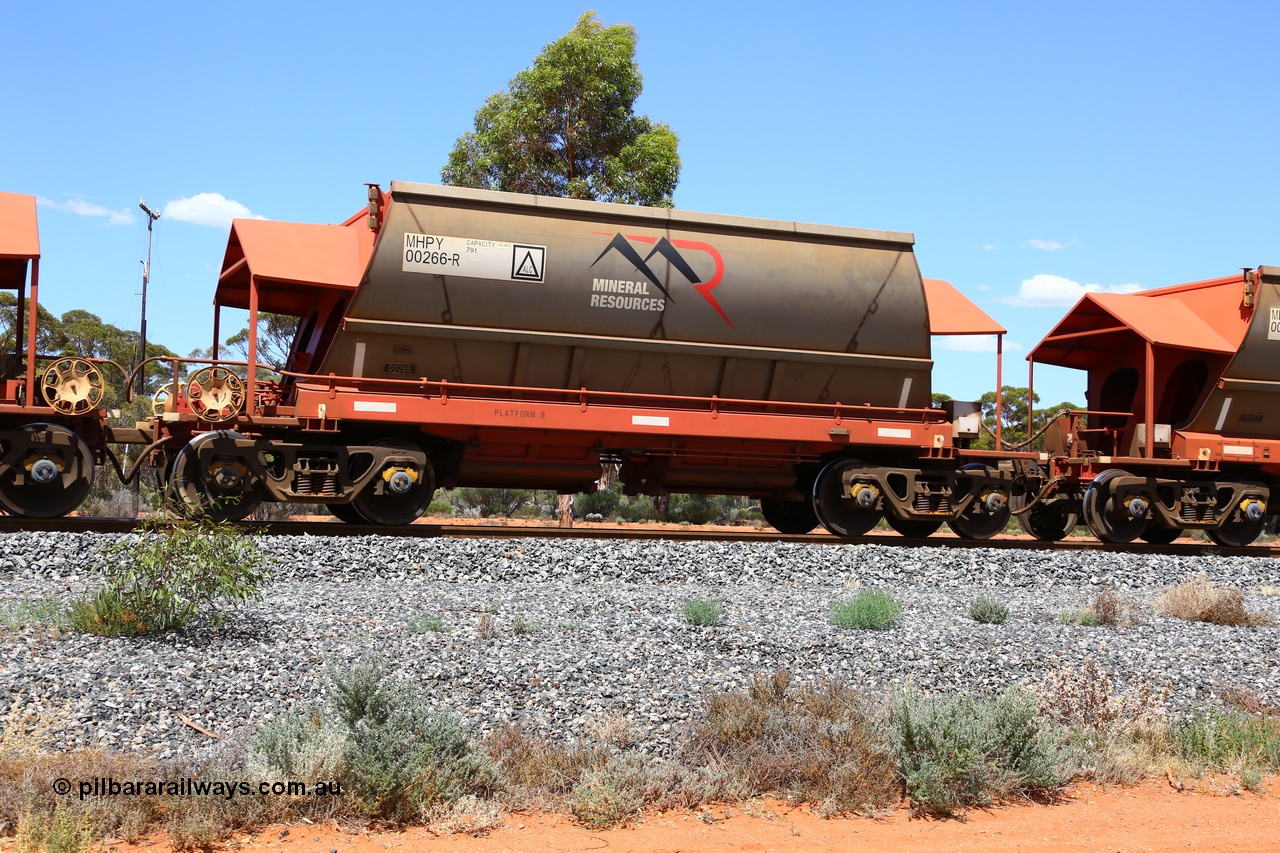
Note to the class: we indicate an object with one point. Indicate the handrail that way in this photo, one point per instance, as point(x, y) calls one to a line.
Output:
point(176, 360)
point(446, 389)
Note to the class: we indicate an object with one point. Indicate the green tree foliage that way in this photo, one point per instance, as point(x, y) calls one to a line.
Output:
point(78, 332)
point(565, 127)
point(1013, 416)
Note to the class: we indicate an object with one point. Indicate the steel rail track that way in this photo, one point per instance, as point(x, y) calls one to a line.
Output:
point(10, 524)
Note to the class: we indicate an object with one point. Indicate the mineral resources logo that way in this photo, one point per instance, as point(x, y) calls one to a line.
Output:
point(635, 295)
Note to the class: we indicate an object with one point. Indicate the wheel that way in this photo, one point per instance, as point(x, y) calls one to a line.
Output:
point(400, 492)
point(1157, 535)
point(985, 516)
point(215, 394)
point(1245, 522)
point(913, 528)
point(165, 399)
point(1238, 533)
point(48, 474)
point(225, 490)
point(345, 512)
point(1049, 522)
point(837, 512)
point(793, 517)
point(72, 386)
point(1109, 522)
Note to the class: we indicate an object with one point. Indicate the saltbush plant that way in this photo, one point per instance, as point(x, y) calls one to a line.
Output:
point(955, 751)
point(989, 611)
point(702, 612)
point(170, 574)
point(870, 609)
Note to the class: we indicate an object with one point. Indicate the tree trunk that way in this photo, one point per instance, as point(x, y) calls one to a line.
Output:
point(565, 510)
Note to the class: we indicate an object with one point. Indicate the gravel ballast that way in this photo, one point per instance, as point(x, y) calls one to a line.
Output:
point(562, 635)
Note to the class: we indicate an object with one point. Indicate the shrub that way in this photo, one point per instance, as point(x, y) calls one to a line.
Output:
point(869, 609)
point(988, 611)
point(1107, 608)
point(702, 612)
point(171, 574)
point(1198, 600)
point(489, 502)
point(820, 745)
point(698, 509)
point(604, 503)
point(429, 623)
point(598, 804)
point(956, 752)
point(521, 626)
point(306, 747)
point(402, 758)
point(1225, 740)
point(23, 613)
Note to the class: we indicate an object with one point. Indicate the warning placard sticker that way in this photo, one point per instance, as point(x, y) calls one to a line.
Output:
point(434, 254)
point(1273, 330)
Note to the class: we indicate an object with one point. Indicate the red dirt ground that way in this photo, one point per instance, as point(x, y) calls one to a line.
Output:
point(1152, 816)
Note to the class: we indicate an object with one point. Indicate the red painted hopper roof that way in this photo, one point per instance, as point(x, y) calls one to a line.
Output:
point(19, 236)
point(1206, 316)
point(952, 313)
point(291, 258)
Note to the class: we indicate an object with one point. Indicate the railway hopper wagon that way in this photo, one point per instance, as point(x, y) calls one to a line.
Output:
point(460, 337)
point(53, 430)
point(1183, 427)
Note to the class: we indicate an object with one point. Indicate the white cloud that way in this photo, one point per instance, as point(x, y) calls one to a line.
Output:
point(212, 209)
point(1051, 245)
point(80, 207)
point(989, 247)
point(1045, 290)
point(973, 343)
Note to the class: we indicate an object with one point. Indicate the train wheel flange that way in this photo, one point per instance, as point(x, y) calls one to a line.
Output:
point(793, 517)
point(399, 492)
point(1110, 520)
point(215, 394)
point(985, 516)
point(51, 472)
point(345, 512)
point(1049, 522)
point(1156, 534)
point(914, 528)
point(72, 386)
point(842, 514)
point(220, 486)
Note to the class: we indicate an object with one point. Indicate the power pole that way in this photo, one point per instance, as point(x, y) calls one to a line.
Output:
point(152, 216)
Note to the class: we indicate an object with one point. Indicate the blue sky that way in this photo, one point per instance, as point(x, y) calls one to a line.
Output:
point(1033, 149)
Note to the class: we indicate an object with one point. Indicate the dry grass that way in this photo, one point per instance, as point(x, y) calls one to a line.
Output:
point(1198, 600)
point(817, 744)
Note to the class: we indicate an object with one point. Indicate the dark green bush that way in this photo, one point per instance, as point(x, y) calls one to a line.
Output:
point(170, 574)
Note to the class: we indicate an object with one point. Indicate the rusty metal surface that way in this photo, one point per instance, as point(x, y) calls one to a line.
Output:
point(766, 310)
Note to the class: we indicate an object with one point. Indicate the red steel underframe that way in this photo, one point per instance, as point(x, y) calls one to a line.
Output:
point(618, 420)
